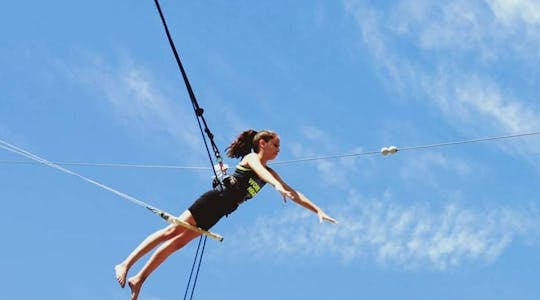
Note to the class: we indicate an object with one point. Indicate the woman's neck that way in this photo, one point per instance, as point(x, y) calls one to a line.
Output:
point(262, 158)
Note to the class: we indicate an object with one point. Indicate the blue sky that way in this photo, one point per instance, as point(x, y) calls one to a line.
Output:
point(96, 82)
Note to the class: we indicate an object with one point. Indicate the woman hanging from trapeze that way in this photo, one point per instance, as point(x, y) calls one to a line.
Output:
point(255, 149)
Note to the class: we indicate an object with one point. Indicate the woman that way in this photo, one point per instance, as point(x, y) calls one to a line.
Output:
point(255, 149)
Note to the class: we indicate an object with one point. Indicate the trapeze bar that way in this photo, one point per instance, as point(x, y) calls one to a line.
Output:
point(184, 224)
point(173, 220)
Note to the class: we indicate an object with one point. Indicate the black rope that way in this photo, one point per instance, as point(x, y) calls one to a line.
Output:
point(200, 121)
point(199, 112)
point(198, 267)
point(192, 268)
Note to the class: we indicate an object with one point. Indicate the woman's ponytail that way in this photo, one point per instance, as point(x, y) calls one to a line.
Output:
point(242, 145)
point(247, 141)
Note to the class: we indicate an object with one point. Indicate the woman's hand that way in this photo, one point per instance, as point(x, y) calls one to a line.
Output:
point(284, 193)
point(324, 217)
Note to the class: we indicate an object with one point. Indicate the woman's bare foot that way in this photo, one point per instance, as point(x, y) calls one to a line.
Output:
point(121, 272)
point(135, 286)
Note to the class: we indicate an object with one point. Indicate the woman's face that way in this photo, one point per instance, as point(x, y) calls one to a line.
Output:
point(271, 148)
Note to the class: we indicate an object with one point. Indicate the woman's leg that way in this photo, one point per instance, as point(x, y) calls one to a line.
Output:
point(168, 248)
point(150, 243)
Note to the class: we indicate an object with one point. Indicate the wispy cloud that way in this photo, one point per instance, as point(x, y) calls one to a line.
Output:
point(479, 105)
point(410, 237)
point(511, 11)
point(454, 49)
point(317, 142)
point(4, 131)
point(12, 136)
point(135, 98)
point(470, 97)
point(424, 166)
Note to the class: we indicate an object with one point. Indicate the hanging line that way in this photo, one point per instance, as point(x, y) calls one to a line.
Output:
point(198, 269)
point(470, 141)
point(394, 149)
point(200, 121)
point(199, 112)
point(179, 167)
point(192, 268)
point(166, 216)
point(111, 165)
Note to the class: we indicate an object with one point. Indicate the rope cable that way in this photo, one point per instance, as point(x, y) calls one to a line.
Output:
point(200, 119)
point(198, 268)
point(163, 214)
point(12, 148)
point(443, 144)
point(179, 167)
point(112, 165)
point(198, 110)
point(192, 269)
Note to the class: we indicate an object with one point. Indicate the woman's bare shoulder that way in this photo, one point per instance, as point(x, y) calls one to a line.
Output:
point(246, 160)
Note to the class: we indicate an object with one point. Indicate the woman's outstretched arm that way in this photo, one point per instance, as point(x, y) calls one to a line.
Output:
point(303, 201)
point(255, 164)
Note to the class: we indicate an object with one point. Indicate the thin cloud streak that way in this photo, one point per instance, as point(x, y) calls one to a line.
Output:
point(512, 11)
point(313, 137)
point(479, 105)
point(474, 100)
point(425, 167)
point(134, 98)
point(392, 235)
point(470, 98)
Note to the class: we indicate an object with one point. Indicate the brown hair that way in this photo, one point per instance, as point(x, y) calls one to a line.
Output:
point(247, 141)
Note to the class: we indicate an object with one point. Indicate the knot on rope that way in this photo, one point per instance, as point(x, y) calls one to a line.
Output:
point(209, 133)
point(389, 150)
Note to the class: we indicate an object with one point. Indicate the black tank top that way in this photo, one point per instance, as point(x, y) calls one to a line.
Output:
point(247, 181)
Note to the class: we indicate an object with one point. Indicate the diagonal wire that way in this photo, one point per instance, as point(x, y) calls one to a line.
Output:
point(436, 145)
point(308, 159)
point(112, 165)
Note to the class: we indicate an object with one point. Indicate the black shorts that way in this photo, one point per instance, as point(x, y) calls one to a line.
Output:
point(212, 206)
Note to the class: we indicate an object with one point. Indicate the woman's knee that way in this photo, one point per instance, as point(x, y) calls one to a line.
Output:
point(183, 239)
point(172, 231)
